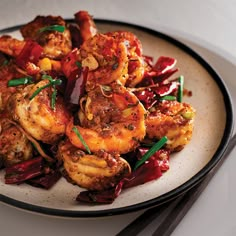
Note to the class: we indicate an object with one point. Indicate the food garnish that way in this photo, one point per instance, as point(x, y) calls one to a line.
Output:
point(151, 151)
point(81, 139)
point(58, 28)
point(19, 81)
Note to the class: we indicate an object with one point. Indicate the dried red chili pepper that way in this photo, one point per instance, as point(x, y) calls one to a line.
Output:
point(20, 172)
point(147, 97)
point(31, 52)
point(76, 77)
point(166, 89)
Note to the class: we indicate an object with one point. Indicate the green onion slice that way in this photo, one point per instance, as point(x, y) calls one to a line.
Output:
point(180, 89)
point(53, 98)
point(36, 92)
point(151, 151)
point(81, 139)
point(5, 62)
point(53, 83)
point(78, 64)
point(168, 98)
point(59, 28)
point(19, 81)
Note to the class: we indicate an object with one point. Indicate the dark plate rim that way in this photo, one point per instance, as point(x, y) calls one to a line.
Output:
point(171, 194)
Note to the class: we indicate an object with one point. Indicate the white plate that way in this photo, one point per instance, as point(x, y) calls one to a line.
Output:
point(213, 127)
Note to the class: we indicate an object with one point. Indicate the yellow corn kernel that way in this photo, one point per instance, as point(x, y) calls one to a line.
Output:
point(45, 64)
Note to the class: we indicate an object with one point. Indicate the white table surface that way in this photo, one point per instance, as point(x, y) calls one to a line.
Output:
point(209, 28)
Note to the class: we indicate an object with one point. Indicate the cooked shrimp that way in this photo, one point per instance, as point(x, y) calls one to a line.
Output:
point(112, 120)
point(36, 116)
point(136, 66)
point(14, 145)
point(11, 46)
point(7, 72)
point(55, 44)
point(86, 24)
point(174, 120)
point(106, 59)
point(94, 172)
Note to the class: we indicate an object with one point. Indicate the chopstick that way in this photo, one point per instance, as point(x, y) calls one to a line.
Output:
point(177, 207)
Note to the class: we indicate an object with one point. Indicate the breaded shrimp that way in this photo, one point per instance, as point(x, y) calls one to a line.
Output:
point(8, 72)
point(36, 115)
point(11, 46)
point(14, 145)
point(171, 119)
point(136, 65)
point(112, 120)
point(106, 59)
point(55, 44)
point(98, 171)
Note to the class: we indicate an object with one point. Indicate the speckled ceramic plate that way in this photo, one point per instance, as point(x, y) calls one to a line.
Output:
point(213, 127)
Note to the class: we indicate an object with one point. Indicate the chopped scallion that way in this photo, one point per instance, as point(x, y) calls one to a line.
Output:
point(151, 151)
point(37, 91)
point(81, 139)
point(5, 62)
point(53, 98)
point(19, 81)
point(78, 64)
point(180, 89)
point(59, 28)
point(168, 98)
point(53, 83)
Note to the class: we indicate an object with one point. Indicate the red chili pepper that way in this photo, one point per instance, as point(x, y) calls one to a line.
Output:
point(75, 87)
point(162, 156)
point(87, 26)
point(76, 38)
point(163, 77)
point(166, 89)
point(76, 77)
point(20, 172)
point(147, 97)
point(68, 63)
point(46, 181)
point(148, 60)
point(31, 52)
point(164, 64)
point(162, 70)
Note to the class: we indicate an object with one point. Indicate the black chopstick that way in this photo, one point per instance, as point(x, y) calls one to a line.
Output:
point(143, 220)
point(180, 206)
point(177, 214)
